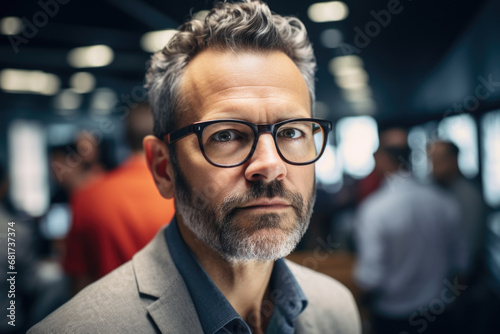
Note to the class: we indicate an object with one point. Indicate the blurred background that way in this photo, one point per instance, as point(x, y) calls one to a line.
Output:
point(71, 69)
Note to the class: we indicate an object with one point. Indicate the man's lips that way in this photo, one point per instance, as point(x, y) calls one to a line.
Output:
point(267, 203)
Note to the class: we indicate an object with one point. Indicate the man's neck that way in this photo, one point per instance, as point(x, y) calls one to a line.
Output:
point(244, 284)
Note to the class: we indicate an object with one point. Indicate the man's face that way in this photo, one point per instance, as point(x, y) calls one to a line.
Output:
point(261, 209)
point(444, 164)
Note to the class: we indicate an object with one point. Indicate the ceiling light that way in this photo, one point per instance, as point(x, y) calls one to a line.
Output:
point(10, 25)
point(356, 80)
point(328, 11)
point(331, 38)
point(82, 82)
point(67, 100)
point(357, 94)
point(349, 71)
point(338, 64)
point(364, 107)
point(91, 56)
point(103, 101)
point(350, 83)
point(156, 40)
point(35, 82)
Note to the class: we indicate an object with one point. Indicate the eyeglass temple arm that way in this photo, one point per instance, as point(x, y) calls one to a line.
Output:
point(174, 136)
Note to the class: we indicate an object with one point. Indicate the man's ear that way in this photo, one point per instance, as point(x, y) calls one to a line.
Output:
point(159, 164)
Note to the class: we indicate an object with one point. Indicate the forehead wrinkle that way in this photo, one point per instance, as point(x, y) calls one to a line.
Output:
point(257, 92)
point(247, 107)
point(255, 103)
point(216, 85)
point(224, 101)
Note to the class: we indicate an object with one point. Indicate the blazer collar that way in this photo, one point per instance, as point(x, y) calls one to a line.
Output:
point(156, 276)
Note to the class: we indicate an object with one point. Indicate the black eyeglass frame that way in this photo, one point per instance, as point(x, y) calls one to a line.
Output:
point(198, 128)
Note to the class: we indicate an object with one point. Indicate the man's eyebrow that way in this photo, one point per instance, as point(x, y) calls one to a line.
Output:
point(282, 119)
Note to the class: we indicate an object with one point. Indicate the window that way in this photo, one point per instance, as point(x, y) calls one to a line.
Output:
point(28, 167)
point(358, 140)
point(462, 131)
point(491, 157)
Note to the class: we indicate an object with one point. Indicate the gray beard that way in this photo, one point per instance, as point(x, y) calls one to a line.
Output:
point(220, 229)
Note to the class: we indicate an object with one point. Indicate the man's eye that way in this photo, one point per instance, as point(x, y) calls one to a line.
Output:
point(224, 136)
point(290, 133)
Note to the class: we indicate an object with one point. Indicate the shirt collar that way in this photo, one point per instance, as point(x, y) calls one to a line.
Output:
point(286, 292)
point(213, 309)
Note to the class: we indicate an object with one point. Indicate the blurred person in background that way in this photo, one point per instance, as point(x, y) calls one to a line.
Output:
point(22, 245)
point(73, 167)
point(117, 215)
point(71, 170)
point(368, 185)
point(372, 181)
point(409, 243)
point(489, 309)
point(445, 171)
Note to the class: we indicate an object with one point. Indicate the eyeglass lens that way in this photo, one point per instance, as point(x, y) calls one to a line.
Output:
point(230, 143)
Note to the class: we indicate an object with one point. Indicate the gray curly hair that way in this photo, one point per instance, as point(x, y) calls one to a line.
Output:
point(244, 26)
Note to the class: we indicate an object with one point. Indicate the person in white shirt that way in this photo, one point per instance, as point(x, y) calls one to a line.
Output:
point(409, 245)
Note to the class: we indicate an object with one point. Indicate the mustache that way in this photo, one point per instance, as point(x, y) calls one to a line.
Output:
point(260, 189)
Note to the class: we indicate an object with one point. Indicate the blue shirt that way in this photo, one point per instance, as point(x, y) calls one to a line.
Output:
point(215, 313)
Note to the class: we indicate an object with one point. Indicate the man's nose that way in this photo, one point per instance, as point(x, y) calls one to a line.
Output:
point(265, 163)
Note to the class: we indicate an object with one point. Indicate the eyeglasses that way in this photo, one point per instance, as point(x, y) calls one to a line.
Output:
point(230, 143)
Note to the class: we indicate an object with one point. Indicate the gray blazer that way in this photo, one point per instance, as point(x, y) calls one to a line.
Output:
point(148, 295)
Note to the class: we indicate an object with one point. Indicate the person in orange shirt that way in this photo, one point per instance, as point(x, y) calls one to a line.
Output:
point(117, 215)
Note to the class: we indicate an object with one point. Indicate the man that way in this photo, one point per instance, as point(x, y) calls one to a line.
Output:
point(232, 97)
point(409, 244)
point(117, 215)
point(445, 171)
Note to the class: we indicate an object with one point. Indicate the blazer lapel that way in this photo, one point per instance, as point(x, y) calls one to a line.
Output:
point(157, 276)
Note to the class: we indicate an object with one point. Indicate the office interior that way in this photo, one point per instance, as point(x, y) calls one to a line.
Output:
point(72, 68)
